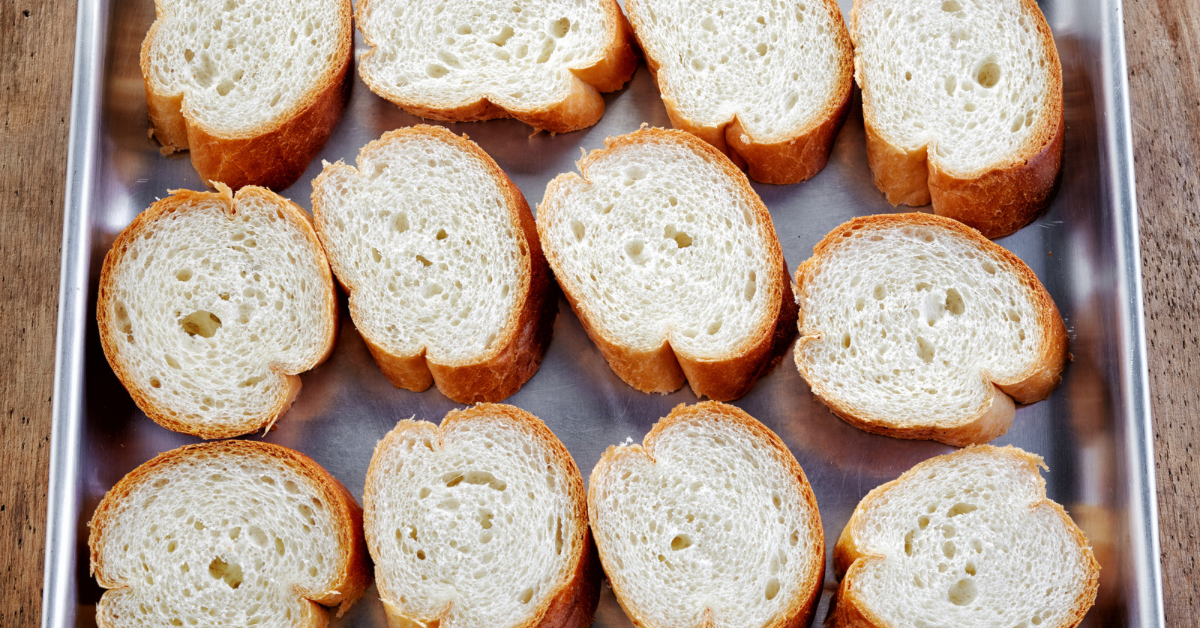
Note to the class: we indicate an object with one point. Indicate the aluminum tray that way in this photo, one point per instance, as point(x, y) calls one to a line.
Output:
point(1094, 431)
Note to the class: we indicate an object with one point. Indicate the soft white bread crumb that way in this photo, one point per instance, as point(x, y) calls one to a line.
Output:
point(480, 522)
point(776, 75)
point(439, 254)
point(210, 305)
point(965, 539)
point(915, 326)
point(543, 63)
point(710, 522)
point(667, 254)
point(235, 533)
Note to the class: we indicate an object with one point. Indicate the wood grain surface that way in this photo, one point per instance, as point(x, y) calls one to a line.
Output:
point(36, 54)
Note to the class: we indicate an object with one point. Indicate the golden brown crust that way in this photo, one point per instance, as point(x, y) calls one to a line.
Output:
point(850, 611)
point(997, 200)
point(272, 155)
point(664, 368)
point(573, 601)
point(144, 223)
point(582, 107)
point(794, 157)
point(353, 571)
point(517, 352)
point(994, 417)
point(799, 610)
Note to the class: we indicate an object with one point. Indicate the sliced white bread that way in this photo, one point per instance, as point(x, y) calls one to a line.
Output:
point(916, 326)
point(251, 89)
point(963, 106)
point(965, 539)
point(210, 305)
point(233, 533)
point(671, 262)
point(766, 82)
point(710, 522)
point(480, 522)
point(439, 254)
point(541, 62)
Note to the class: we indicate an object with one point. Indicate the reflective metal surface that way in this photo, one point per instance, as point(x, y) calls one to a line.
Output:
point(1094, 431)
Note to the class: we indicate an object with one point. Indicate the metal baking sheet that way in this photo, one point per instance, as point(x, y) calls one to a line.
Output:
point(1094, 431)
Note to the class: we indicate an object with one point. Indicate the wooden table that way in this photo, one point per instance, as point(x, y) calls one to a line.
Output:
point(36, 53)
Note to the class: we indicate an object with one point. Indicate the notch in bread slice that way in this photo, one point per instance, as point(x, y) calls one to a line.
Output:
point(543, 63)
point(233, 533)
point(211, 304)
point(439, 254)
point(251, 89)
point(671, 262)
point(768, 83)
point(916, 326)
point(480, 522)
point(965, 539)
point(710, 522)
point(963, 107)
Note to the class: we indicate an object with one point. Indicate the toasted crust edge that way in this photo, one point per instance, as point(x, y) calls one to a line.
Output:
point(517, 353)
point(799, 612)
point(573, 604)
point(849, 611)
point(581, 108)
point(997, 200)
point(180, 201)
point(790, 157)
point(276, 153)
point(354, 574)
point(995, 414)
point(665, 369)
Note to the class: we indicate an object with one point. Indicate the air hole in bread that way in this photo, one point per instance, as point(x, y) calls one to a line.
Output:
point(681, 541)
point(988, 267)
point(201, 323)
point(960, 508)
point(184, 275)
point(963, 592)
point(435, 70)
point(501, 38)
point(880, 292)
point(772, 588)
point(578, 229)
point(441, 234)
point(560, 27)
point(558, 537)
point(988, 74)
point(155, 382)
point(526, 595)
point(231, 574)
point(424, 262)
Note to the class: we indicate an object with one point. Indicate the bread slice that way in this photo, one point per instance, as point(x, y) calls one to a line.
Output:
point(541, 62)
point(915, 326)
point(480, 522)
point(963, 107)
point(232, 533)
point(440, 256)
point(671, 262)
point(251, 89)
point(965, 539)
point(211, 304)
point(768, 83)
point(710, 522)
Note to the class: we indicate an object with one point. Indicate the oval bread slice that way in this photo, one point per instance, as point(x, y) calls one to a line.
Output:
point(710, 522)
point(671, 263)
point(480, 522)
point(210, 304)
point(965, 539)
point(440, 256)
point(916, 326)
point(541, 62)
point(251, 89)
point(233, 533)
point(963, 107)
point(767, 83)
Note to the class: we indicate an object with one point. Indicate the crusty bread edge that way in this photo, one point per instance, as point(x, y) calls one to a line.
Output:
point(850, 611)
point(581, 107)
point(799, 611)
point(517, 352)
point(789, 157)
point(353, 571)
point(573, 603)
point(995, 414)
point(663, 369)
point(180, 201)
point(998, 199)
point(275, 153)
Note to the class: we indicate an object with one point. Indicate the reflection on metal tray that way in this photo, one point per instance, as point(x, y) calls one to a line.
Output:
point(1094, 431)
